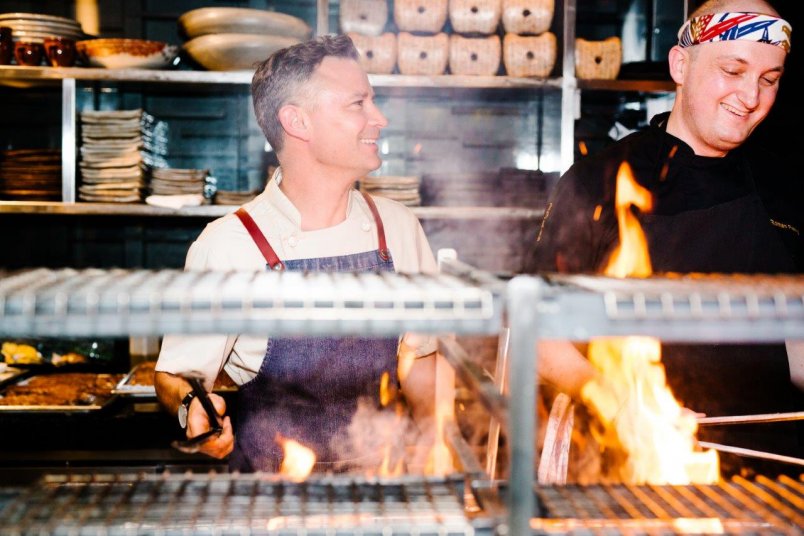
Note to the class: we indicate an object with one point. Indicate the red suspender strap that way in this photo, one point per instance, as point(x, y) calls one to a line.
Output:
point(383, 247)
point(259, 239)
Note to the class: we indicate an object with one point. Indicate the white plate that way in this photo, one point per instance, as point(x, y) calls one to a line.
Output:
point(36, 17)
point(235, 52)
point(219, 20)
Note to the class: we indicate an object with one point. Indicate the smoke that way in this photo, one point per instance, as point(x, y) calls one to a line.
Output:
point(379, 441)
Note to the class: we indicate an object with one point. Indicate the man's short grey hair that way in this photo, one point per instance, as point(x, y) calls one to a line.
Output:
point(280, 79)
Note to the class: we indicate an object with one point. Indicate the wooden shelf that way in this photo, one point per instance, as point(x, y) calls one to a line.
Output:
point(642, 86)
point(11, 74)
point(215, 211)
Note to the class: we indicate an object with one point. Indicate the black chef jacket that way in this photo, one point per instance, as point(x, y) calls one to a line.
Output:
point(738, 214)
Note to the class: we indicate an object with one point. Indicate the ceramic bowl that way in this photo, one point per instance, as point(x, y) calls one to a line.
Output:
point(127, 53)
point(236, 20)
point(28, 53)
point(235, 52)
point(60, 52)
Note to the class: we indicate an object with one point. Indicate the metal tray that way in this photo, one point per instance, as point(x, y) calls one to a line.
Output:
point(9, 374)
point(98, 404)
point(125, 388)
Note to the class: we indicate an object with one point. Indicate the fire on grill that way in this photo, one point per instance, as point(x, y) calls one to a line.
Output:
point(630, 428)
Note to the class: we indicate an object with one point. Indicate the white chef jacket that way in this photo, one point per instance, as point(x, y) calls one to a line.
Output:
point(226, 245)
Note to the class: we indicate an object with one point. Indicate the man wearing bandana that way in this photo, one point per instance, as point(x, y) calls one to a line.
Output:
point(716, 209)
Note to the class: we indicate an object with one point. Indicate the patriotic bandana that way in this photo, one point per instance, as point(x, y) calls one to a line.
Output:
point(730, 26)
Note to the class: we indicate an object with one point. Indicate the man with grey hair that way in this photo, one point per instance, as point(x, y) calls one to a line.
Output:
point(316, 108)
point(715, 210)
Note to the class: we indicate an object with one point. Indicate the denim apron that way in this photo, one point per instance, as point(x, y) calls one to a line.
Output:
point(307, 388)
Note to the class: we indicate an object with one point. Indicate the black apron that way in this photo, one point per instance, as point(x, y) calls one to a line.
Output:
point(728, 379)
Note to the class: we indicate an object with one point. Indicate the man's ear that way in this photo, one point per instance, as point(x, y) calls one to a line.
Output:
point(294, 121)
point(679, 60)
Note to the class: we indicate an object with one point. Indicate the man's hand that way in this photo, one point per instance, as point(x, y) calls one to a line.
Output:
point(198, 422)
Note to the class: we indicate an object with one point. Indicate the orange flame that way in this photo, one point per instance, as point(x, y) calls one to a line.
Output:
point(386, 468)
point(298, 460)
point(636, 408)
point(387, 394)
point(630, 258)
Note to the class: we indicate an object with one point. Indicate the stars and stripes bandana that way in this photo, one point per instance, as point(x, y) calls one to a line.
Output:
point(730, 26)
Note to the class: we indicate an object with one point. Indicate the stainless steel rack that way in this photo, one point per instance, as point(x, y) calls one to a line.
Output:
point(691, 308)
point(44, 302)
point(239, 504)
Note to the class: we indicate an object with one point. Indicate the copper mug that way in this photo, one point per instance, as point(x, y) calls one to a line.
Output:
point(60, 51)
point(28, 53)
point(6, 45)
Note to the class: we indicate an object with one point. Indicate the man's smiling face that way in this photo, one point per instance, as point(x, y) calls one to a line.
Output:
point(728, 89)
point(346, 122)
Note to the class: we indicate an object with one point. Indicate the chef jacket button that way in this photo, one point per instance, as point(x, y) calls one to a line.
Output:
point(292, 241)
point(366, 226)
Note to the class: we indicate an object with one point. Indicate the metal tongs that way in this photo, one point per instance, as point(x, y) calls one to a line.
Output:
point(193, 444)
point(746, 419)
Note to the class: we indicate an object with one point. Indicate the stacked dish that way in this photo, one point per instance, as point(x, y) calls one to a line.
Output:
point(402, 189)
point(167, 181)
point(233, 39)
point(234, 198)
point(30, 174)
point(110, 165)
point(155, 133)
point(35, 28)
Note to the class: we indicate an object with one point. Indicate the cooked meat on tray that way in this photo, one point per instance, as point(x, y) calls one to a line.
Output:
point(66, 389)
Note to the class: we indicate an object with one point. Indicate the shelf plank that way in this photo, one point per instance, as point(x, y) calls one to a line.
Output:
point(53, 74)
point(643, 86)
point(214, 211)
point(45, 74)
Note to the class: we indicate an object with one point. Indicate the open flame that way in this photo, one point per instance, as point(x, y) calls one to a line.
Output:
point(389, 467)
point(637, 410)
point(298, 460)
point(631, 257)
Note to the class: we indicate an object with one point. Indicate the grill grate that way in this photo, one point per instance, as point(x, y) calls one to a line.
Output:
point(128, 505)
point(737, 506)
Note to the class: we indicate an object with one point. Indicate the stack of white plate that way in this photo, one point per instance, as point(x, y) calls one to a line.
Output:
point(35, 28)
point(167, 181)
point(399, 188)
point(111, 164)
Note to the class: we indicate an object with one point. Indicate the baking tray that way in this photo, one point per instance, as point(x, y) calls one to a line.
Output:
point(97, 404)
point(10, 374)
point(125, 388)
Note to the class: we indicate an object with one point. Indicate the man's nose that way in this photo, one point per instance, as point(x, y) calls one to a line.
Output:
point(749, 93)
point(377, 117)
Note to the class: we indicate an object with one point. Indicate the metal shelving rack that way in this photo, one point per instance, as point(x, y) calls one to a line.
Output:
point(67, 302)
point(461, 299)
point(678, 309)
point(68, 79)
